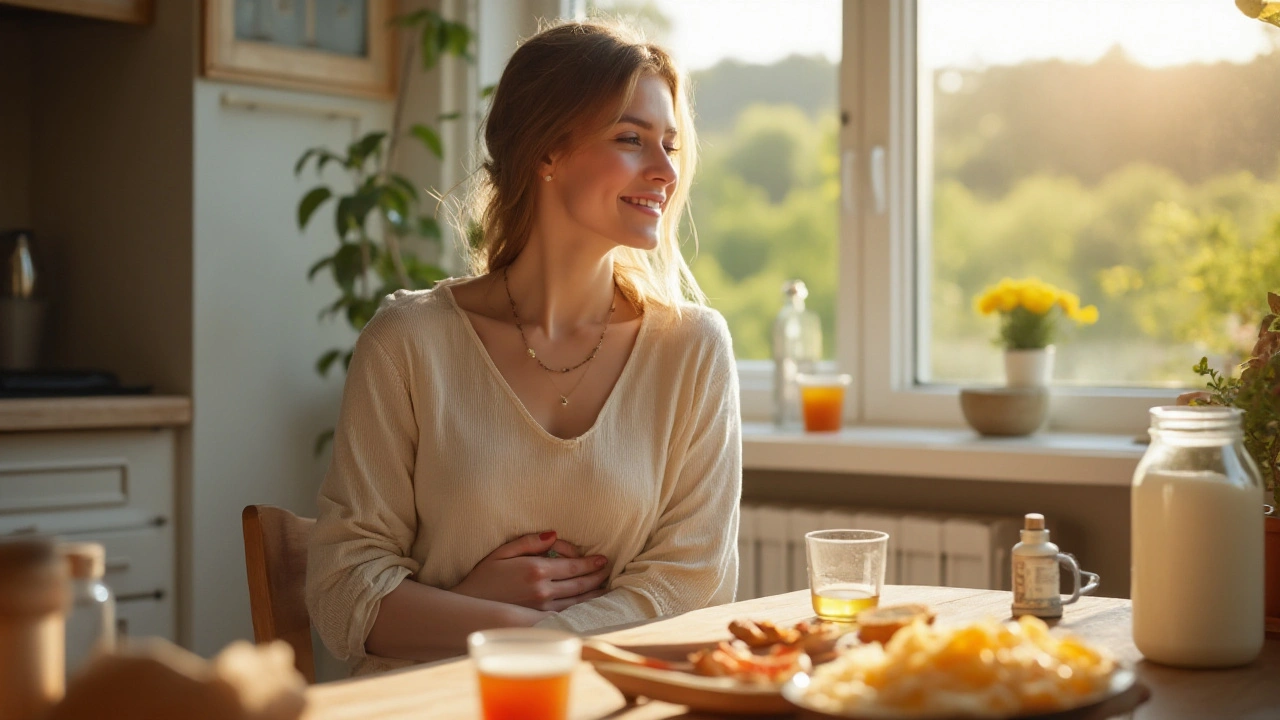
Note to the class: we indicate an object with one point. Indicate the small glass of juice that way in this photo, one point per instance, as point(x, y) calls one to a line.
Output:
point(524, 672)
point(822, 401)
point(846, 571)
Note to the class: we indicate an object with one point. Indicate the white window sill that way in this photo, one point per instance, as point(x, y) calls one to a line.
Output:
point(1047, 457)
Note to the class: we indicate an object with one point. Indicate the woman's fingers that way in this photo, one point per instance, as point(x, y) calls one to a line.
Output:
point(531, 544)
point(566, 603)
point(561, 589)
point(565, 549)
point(547, 543)
point(565, 568)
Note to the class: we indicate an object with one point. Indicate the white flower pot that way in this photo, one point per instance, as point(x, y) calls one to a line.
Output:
point(1028, 368)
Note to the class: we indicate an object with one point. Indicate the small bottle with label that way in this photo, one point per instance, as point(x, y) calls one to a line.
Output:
point(1035, 572)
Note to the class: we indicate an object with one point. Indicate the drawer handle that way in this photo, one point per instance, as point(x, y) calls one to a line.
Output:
point(157, 521)
point(157, 594)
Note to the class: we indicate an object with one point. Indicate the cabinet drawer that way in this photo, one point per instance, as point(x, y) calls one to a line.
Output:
point(139, 563)
point(145, 618)
point(66, 482)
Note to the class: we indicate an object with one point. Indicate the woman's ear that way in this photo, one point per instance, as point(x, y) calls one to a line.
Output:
point(547, 168)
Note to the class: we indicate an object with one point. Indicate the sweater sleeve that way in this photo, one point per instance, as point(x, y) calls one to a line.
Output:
point(691, 559)
point(359, 550)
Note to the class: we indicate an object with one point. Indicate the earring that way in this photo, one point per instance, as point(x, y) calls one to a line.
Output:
point(547, 178)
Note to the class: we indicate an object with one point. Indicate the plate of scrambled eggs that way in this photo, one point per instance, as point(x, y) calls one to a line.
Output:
point(988, 669)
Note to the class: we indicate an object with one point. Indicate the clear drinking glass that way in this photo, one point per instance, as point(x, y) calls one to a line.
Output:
point(524, 672)
point(822, 401)
point(846, 571)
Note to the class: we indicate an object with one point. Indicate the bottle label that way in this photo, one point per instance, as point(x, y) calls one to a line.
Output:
point(1035, 585)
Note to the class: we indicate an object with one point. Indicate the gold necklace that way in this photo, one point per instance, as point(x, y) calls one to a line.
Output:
point(564, 397)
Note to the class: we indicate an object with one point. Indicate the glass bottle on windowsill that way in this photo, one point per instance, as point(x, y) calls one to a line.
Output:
point(797, 348)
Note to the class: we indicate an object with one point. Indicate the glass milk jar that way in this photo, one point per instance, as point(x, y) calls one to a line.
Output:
point(1197, 541)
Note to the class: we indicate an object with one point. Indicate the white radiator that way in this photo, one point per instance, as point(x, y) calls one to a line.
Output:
point(969, 551)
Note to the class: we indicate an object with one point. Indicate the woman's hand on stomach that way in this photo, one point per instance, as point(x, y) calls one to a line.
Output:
point(519, 573)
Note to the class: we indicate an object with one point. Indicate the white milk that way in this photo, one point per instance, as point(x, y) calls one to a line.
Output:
point(1197, 570)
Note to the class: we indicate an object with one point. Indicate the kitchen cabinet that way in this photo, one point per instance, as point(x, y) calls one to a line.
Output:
point(114, 487)
point(137, 12)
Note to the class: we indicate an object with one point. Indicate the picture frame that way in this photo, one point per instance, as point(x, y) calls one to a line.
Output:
point(343, 47)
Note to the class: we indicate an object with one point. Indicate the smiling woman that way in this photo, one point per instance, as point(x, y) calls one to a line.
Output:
point(554, 441)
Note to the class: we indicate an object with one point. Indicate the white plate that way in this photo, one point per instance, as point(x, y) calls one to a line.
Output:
point(1121, 680)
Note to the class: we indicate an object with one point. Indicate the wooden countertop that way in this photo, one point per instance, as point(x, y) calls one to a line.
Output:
point(94, 413)
point(447, 690)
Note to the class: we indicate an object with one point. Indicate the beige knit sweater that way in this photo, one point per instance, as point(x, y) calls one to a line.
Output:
point(436, 463)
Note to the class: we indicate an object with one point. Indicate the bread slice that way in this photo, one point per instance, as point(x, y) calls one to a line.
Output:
point(878, 624)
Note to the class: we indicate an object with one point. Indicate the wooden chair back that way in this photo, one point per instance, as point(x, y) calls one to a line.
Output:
point(275, 555)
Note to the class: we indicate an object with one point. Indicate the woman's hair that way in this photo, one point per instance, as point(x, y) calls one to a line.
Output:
point(570, 81)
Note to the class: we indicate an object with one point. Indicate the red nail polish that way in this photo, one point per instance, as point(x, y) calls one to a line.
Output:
point(547, 535)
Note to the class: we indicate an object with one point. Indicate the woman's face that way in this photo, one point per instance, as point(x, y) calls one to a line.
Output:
point(616, 185)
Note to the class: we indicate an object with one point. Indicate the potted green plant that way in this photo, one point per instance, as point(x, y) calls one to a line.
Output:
point(1256, 391)
point(369, 263)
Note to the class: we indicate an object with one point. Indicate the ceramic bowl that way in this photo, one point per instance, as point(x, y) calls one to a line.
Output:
point(1005, 411)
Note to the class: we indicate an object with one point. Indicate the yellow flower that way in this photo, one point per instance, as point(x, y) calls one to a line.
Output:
point(986, 303)
point(1070, 303)
point(1008, 298)
point(1087, 315)
point(1038, 300)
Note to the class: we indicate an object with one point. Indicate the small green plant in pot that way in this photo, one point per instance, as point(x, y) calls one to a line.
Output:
point(1256, 391)
point(377, 216)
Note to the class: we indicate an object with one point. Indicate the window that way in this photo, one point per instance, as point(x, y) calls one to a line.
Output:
point(1121, 150)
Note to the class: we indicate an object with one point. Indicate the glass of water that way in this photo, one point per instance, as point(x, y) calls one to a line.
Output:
point(846, 571)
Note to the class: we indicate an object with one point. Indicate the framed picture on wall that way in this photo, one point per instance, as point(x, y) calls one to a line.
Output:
point(337, 46)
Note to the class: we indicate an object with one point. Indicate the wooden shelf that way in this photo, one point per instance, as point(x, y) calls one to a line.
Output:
point(137, 12)
point(94, 413)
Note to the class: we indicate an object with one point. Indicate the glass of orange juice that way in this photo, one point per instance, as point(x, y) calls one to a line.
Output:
point(524, 672)
point(822, 401)
point(846, 571)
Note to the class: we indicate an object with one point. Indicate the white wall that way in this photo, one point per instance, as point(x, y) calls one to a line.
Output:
point(503, 24)
point(258, 402)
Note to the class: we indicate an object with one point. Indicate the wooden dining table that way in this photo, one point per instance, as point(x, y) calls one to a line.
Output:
point(447, 690)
